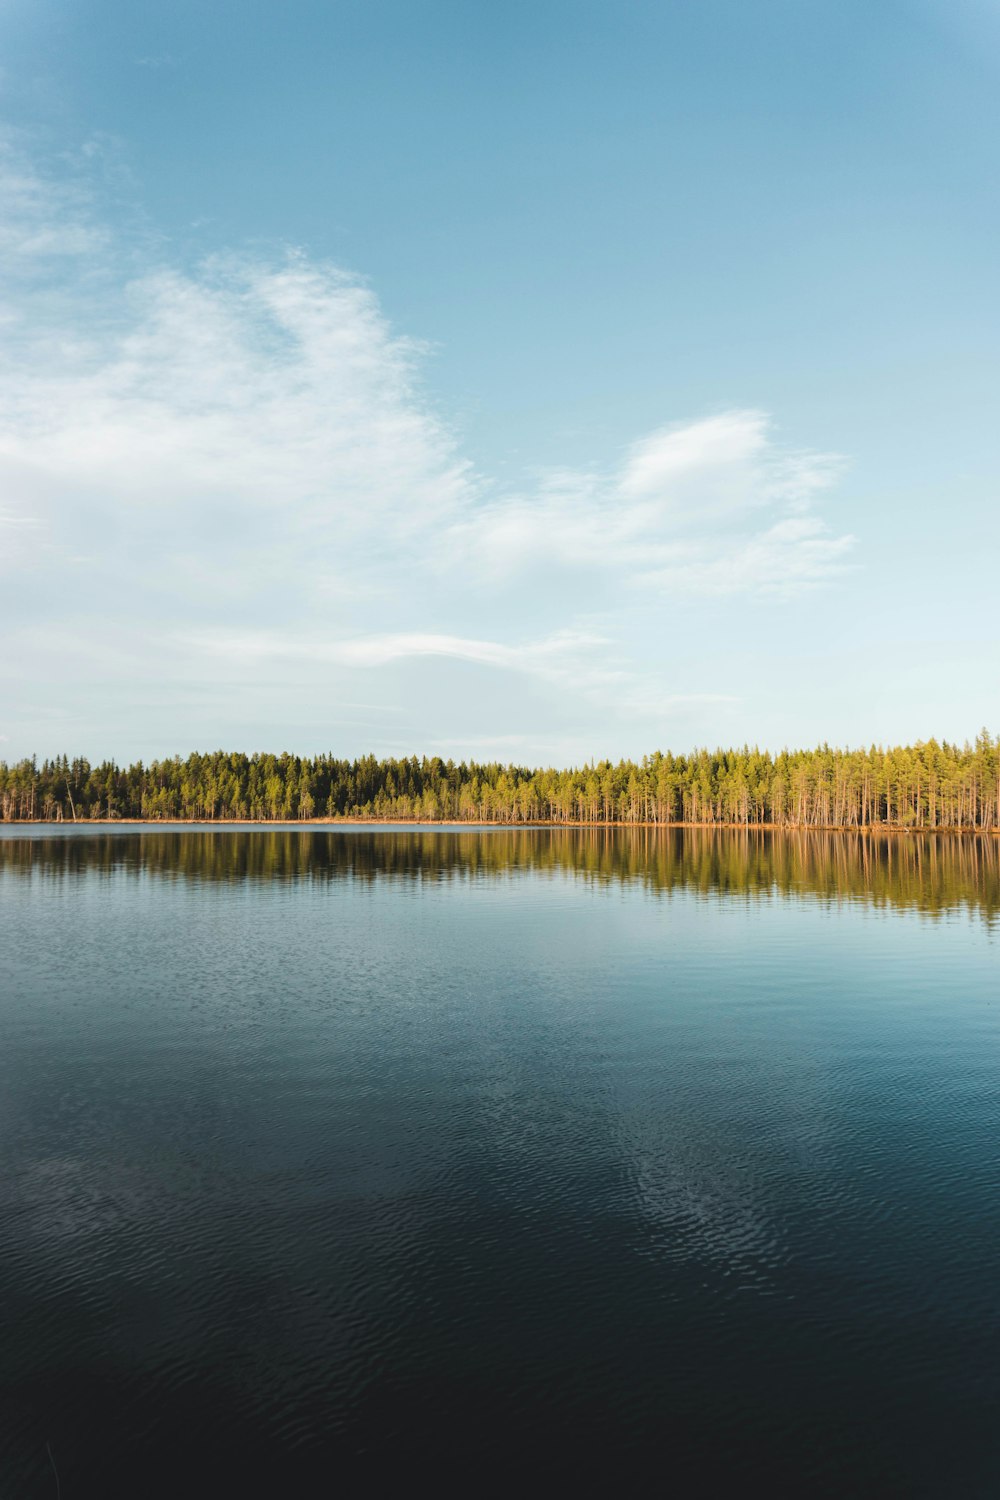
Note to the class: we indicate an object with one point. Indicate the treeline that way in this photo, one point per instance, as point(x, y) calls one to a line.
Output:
point(923, 786)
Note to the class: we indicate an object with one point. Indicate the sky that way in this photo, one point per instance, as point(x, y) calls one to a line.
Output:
point(540, 382)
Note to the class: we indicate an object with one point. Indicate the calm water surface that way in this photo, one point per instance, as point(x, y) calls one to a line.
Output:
point(331, 1157)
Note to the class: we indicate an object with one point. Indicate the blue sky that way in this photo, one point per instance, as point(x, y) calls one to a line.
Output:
point(547, 381)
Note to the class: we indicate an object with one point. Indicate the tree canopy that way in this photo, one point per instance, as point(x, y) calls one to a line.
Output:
point(924, 786)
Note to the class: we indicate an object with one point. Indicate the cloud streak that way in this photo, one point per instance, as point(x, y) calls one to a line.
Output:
point(691, 510)
point(378, 650)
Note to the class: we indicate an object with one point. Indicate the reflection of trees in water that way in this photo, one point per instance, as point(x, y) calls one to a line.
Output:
point(930, 873)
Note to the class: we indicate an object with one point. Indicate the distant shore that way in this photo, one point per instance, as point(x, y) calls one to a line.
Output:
point(932, 785)
point(474, 825)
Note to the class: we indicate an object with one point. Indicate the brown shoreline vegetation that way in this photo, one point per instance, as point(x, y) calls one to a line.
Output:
point(891, 830)
point(925, 787)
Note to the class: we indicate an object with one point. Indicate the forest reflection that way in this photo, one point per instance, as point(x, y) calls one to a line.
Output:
point(929, 873)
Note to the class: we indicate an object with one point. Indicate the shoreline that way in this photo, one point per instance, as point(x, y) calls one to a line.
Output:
point(473, 825)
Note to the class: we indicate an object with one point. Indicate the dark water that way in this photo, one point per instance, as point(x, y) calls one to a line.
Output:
point(352, 1160)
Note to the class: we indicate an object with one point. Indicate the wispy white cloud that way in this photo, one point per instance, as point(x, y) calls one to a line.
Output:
point(563, 658)
point(41, 219)
point(588, 666)
point(240, 463)
point(377, 650)
point(692, 510)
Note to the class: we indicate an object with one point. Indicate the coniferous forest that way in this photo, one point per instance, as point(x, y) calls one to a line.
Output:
point(923, 786)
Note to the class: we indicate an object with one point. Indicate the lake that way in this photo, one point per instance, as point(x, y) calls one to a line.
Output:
point(359, 1157)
